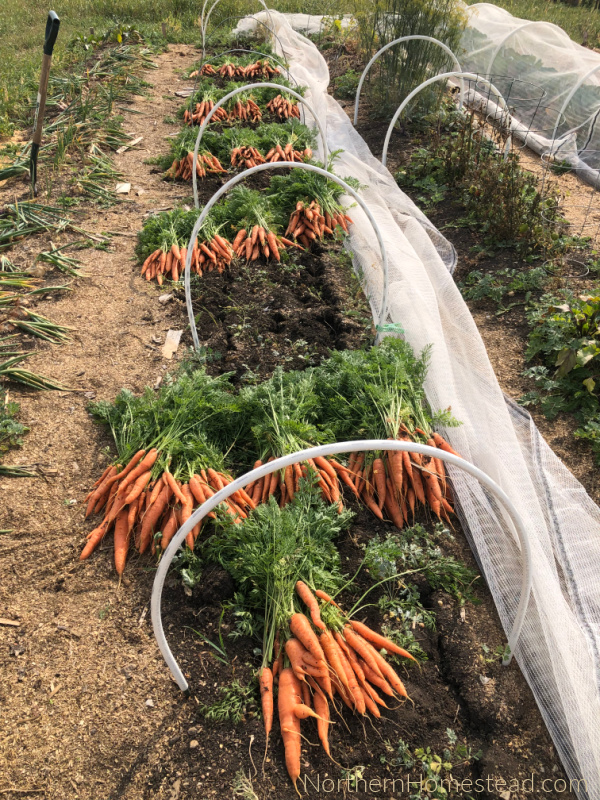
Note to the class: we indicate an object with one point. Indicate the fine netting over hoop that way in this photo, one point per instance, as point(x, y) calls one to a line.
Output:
point(497, 44)
point(559, 651)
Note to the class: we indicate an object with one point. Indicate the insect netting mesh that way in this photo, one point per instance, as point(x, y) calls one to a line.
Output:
point(563, 110)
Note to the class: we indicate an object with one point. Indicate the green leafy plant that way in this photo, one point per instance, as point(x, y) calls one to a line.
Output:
point(415, 549)
point(565, 336)
point(236, 701)
point(347, 84)
point(497, 195)
point(400, 69)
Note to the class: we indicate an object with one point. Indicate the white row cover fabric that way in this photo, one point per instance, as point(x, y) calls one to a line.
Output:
point(560, 645)
point(552, 83)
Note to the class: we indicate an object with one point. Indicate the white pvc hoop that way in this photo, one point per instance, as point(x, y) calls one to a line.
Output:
point(398, 41)
point(443, 76)
point(239, 90)
point(329, 450)
point(262, 168)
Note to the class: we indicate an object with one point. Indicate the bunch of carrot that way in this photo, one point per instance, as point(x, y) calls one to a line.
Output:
point(307, 223)
point(285, 484)
point(400, 481)
point(248, 111)
point(183, 167)
point(283, 108)
point(287, 153)
point(259, 241)
point(201, 111)
point(318, 662)
point(246, 156)
point(260, 69)
point(136, 504)
point(215, 253)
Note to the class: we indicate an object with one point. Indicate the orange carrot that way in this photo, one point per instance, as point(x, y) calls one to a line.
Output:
point(266, 694)
point(310, 601)
point(371, 706)
point(362, 648)
point(324, 596)
point(416, 480)
point(121, 535)
point(372, 505)
point(392, 507)
point(169, 529)
point(353, 686)
point(332, 652)
point(443, 445)
point(132, 463)
point(93, 539)
point(376, 679)
point(381, 642)
point(294, 650)
point(289, 698)
point(138, 487)
point(305, 695)
point(379, 481)
point(288, 477)
point(390, 674)
point(303, 711)
point(100, 490)
point(172, 484)
point(433, 491)
point(186, 512)
point(144, 465)
point(152, 516)
point(300, 627)
point(322, 709)
point(359, 461)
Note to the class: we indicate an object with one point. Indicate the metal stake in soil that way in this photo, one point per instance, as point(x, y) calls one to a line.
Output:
point(52, 26)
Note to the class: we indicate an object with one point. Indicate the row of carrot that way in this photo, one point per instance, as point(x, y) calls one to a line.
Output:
point(246, 111)
point(259, 69)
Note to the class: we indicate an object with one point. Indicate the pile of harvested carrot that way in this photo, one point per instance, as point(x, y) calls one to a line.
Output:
point(260, 69)
point(248, 111)
point(138, 505)
point(285, 484)
point(259, 241)
point(283, 108)
point(307, 223)
point(246, 156)
point(398, 482)
point(287, 153)
point(183, 168)
point(201, 112)
point(207, 256)
point(342, 659)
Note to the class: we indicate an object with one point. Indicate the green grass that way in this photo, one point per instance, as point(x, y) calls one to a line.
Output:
point(22, 25)
point(582, 24)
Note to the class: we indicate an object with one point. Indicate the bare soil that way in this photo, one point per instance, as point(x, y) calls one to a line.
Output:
point(88, 707)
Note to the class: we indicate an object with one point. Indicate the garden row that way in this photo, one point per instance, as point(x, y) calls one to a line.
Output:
point(180, 444)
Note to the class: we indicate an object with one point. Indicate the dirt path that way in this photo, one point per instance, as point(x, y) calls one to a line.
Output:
point(77, 702)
